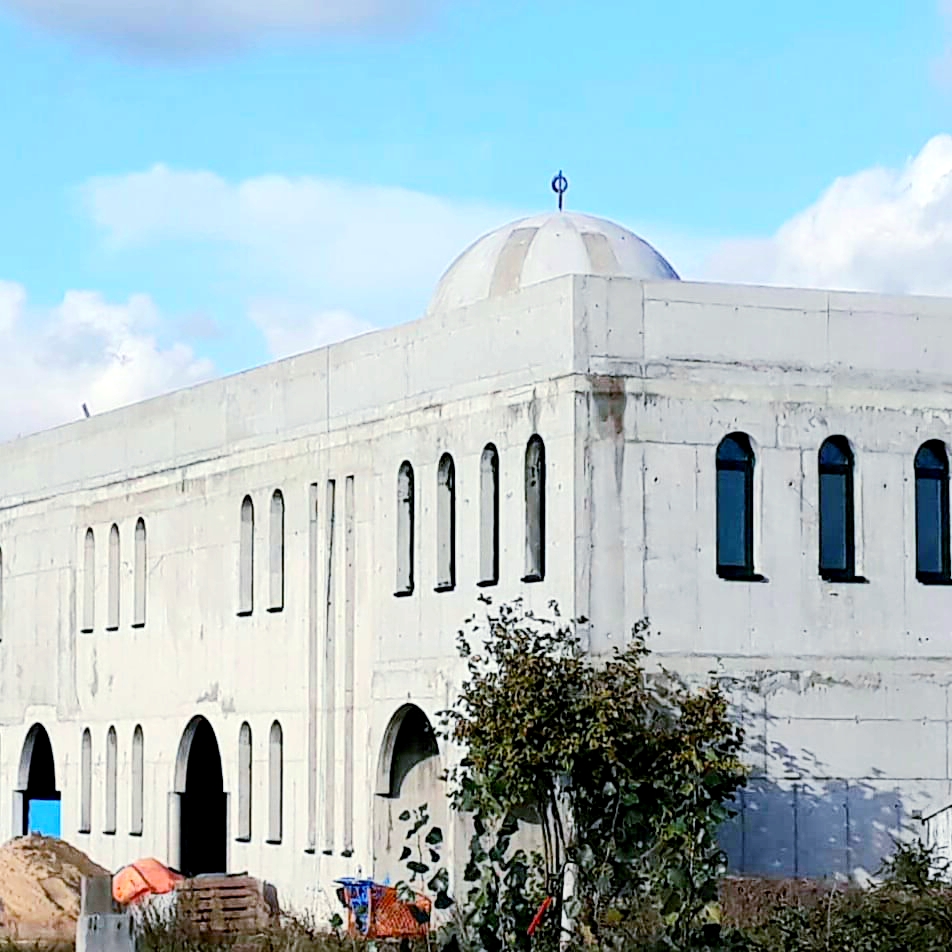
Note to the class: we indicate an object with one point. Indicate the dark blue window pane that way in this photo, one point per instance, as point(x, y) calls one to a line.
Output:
point(929, 526)
point(732, 530)
point(734, 449)
point(931, 456)
point(835, 453)
point(834, 522)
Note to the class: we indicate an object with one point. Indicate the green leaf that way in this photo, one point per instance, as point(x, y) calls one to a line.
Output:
point(435, 836)
point(403, 816)
point(443, 900)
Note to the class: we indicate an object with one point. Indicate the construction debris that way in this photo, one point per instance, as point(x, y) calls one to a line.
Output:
point(227, 905)
point(40, 883)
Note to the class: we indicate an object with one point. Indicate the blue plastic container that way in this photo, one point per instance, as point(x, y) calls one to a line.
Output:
point(357, 893)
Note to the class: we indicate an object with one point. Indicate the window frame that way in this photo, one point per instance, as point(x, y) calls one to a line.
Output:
point(744, 572)
point(86, 782)
point(276, 554)
point(446, 524)
point(114, 580)
point(89, 581)
point(275, 784)
point(245, 782)
point(847, 469)
point(137, 793)
point(111, 786)
point(140, 574)
point(246, 558)
point(535, 503)
point(940, 474)
point(405, 534)
point(488, 516)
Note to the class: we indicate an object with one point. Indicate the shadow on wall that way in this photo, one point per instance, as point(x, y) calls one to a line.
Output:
point(805, 823)
point(410, 775)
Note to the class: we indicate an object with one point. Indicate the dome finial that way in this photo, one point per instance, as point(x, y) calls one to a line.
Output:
point(560, 185)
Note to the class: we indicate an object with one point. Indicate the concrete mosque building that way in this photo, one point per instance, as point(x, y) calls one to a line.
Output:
point(229, 613)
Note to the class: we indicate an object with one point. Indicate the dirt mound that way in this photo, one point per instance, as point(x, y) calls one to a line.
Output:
point(40, 879)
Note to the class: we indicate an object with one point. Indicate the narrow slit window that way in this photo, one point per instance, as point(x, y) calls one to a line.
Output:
point(246, 558)
point(137, 805)
point(735, 507)
point(112, 620)
point(277, 552)
point(837, 538)
point(535, 510)
point(275, 782)
point(446, 524)
point(405, 527)
point(89, 581)
point(489, 516)
point(86, 783)
point(932, 513)
point(244, 783)
point(109, 823)
point(139, 580)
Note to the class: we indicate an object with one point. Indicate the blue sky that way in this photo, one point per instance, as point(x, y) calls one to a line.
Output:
point(193, 192)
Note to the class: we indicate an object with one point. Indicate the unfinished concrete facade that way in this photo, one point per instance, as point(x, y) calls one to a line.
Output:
point(228, 614)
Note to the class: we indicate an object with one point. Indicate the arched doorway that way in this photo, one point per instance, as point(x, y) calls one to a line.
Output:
point(203, 803)
point(39, 800)
point(409, 775)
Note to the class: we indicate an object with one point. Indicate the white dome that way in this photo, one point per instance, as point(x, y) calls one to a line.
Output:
point(547, 246)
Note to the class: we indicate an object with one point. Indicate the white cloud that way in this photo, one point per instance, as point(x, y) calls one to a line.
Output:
point(176, 28)
point(288, 331)
point(84, 350)
point(312, 261)
point(886, 230)
point(319, 258)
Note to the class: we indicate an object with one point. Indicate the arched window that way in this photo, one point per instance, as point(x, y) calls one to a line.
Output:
point(138, 783)
point(489, 516)
point(139, 581)
point(932, 513)
point(446, 524)
point(409, 741)
point(109, 822)
point(86, 783)
point(275, 782)
point(244, 783)
point(837, 539)
point(735, 507)
point(277, 552)
point(535, 510)
point(89, 581)
point(405, 520)
point(112, 616)
point(246, 558)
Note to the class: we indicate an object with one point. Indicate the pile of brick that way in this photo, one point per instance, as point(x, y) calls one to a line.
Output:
point(227, 905)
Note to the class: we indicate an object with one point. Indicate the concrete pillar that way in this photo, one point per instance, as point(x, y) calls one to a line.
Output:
point(100, 927)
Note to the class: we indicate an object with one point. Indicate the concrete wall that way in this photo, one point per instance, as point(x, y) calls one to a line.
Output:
point(843, 688)
point(332, 677)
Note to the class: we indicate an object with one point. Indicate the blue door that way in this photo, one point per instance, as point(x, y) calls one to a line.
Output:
point(43, 816)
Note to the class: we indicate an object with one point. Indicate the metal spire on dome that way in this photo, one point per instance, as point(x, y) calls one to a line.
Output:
point(560, 185)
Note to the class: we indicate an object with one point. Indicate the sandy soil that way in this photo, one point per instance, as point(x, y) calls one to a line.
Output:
point(39, 888)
